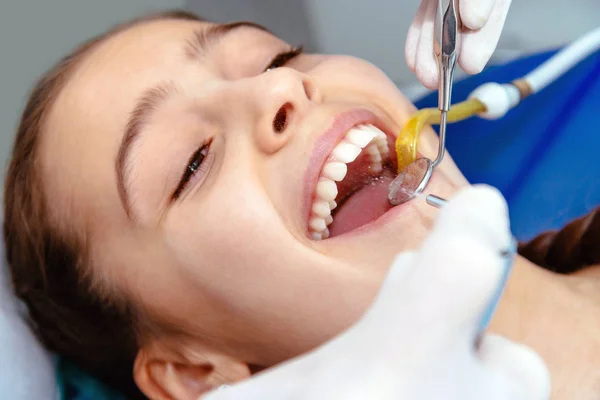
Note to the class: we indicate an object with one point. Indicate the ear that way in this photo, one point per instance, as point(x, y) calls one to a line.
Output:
point(164, 374)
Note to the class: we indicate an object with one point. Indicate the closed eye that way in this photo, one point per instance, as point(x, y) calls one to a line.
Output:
point(196, 164)
point(281, 59)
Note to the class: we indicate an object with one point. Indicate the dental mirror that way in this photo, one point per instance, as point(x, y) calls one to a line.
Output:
point(411, 181)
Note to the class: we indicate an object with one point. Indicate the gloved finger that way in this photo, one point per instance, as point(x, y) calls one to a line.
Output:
point(412, 38)
point(401, 267)
point(434, 299)
point(475, 13)
point(426, 66)
point(460, 265)
point(477, 47)
point(390, 295)
point(459, 275)
point(524, 370)
point(478, 210)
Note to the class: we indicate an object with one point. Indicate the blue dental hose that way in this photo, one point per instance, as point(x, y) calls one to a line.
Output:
point(509, 259)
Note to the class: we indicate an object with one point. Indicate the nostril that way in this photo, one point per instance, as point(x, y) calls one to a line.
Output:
point(280, 120)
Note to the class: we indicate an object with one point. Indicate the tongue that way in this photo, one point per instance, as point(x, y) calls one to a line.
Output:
point(365, 205)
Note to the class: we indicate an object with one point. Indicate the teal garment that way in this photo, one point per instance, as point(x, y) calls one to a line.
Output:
point(74, 384)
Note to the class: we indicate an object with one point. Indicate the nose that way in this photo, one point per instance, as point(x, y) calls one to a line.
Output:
point(282, 97)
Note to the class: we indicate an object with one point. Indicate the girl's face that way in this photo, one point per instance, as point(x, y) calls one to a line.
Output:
point(193, 156)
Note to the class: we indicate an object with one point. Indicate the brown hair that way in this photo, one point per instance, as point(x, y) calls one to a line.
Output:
point(572, 248)
point(47, 261)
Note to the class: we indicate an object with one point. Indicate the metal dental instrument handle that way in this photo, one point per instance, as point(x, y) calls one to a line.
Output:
point(417, 174)
point(446, 33)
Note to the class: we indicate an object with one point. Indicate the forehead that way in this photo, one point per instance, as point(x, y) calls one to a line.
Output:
point(85, 126)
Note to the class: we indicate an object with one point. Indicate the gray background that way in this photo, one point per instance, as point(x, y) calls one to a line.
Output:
point(34, 34)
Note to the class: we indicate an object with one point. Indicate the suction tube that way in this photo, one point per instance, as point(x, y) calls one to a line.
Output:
point(493, 100)
point(408, 139)
point(501, 98)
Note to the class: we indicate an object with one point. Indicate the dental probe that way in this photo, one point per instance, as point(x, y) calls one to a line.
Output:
point(446, 32)
point(435, 201)
point(417, 174)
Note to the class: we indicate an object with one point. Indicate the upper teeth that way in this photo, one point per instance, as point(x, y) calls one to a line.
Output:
point(335, 170)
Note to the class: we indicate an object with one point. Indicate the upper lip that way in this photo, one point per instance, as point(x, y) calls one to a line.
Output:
point(327, 141)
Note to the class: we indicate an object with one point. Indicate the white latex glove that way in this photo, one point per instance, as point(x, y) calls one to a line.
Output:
point(482, 22)
point(417, 339)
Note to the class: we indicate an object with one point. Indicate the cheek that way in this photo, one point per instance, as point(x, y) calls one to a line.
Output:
point(352, 73)
point(223, 237)
point(351, 80)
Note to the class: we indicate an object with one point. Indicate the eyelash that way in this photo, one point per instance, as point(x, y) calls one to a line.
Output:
point(200, 155)
point(284, 57)
point(194, 164)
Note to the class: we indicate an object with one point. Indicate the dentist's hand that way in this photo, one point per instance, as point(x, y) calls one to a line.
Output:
point(417, 339)
point(482, 22)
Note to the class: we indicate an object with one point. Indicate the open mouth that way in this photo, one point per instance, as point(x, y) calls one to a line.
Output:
point(352, 187)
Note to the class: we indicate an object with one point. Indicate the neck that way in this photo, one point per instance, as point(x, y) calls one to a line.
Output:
point(530, 291)
point(558, 316)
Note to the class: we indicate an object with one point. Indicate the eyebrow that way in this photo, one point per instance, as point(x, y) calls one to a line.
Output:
point(205, 38)
point(153, 98)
